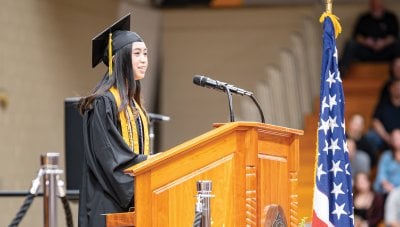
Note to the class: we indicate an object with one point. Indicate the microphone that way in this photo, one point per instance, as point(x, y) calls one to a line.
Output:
point(215, 84)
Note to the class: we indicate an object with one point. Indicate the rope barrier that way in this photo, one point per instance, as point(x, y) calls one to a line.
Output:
point(67, 211)
point(197, 219)
point(22, 211)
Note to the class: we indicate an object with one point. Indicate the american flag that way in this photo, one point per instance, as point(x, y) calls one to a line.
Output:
point(333, 197)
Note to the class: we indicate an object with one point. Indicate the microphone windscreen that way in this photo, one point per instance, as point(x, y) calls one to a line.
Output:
point(198, 80)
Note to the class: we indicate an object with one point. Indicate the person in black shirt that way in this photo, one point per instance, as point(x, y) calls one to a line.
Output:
point(386, 118)
point(375, 37)
point(394, 75)
point(355, 131)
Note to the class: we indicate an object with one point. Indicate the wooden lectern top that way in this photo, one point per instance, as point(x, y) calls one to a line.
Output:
point(220, 130)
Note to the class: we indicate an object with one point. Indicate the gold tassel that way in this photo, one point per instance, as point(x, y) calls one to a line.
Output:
point(110, 63)
point(334, 19)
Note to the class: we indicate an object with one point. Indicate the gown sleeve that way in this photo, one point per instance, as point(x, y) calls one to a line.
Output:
point(107, 154)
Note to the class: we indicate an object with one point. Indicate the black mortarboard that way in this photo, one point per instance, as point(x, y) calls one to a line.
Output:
point(117, 35)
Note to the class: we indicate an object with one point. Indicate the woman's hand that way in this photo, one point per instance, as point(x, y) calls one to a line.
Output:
point(387, 186)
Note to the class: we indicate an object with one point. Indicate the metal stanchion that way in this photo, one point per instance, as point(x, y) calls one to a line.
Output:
point(49, 164)
point(203, 209)
point(53, 187)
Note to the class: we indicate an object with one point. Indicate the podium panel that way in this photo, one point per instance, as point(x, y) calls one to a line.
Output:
point(251, 166)
point(176, 201)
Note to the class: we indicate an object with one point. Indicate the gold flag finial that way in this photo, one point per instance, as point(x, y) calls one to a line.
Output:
point(328, 8)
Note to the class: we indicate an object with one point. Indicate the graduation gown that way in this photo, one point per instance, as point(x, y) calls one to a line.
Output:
point(105, 187)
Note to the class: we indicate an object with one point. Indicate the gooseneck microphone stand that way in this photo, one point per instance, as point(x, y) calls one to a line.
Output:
point(258, 107)
point(231, 114)
point(228, 92)
point(204, 81)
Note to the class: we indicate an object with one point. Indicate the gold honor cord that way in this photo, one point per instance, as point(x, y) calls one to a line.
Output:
point(145, 123)
point(129, 127)
point(110, 63)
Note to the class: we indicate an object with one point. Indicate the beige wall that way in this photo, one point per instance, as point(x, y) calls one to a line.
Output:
point(231, 45)
point(46, 56)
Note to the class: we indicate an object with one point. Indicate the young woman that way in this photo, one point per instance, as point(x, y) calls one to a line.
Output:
point(115, 125)
point(388, 172)
point(368, 205)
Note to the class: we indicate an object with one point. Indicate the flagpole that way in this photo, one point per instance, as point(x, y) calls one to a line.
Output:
point(328, 6)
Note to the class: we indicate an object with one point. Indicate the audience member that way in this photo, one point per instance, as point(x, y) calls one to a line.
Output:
point(393, 75)
point(355, 131)
point(368, 205)
point(359, 160)
point(388, 173)
point(375, 37)
point(392, 209)
point(386, 118)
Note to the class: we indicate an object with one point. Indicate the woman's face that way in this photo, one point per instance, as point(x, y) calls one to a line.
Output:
point(396, 139)
point(139, 59)
point(362, 182)
point(396, 68)
point(395, 93)
point(352, 148)
point(356, 126)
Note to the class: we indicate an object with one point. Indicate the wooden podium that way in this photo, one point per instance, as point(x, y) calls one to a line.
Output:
point(251, 166)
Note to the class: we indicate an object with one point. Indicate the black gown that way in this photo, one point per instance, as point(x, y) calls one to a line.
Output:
point(105, 187)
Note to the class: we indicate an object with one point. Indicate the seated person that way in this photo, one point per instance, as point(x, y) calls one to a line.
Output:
point(388, 173)
point(394, 74)
point(359, 160)
point(392, 209)
point(375, 37)
point(355, 131)
point(368, 205)
point(386, 118)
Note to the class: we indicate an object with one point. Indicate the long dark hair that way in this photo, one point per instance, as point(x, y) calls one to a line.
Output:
point(122, 78)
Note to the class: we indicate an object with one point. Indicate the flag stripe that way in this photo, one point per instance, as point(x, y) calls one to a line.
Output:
point(322, 214)
point(316, 222)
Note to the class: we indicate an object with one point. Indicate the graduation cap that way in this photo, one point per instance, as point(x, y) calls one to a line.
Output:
point(111, 40)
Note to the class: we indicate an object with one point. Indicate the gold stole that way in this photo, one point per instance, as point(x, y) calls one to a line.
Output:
point(129, 127)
